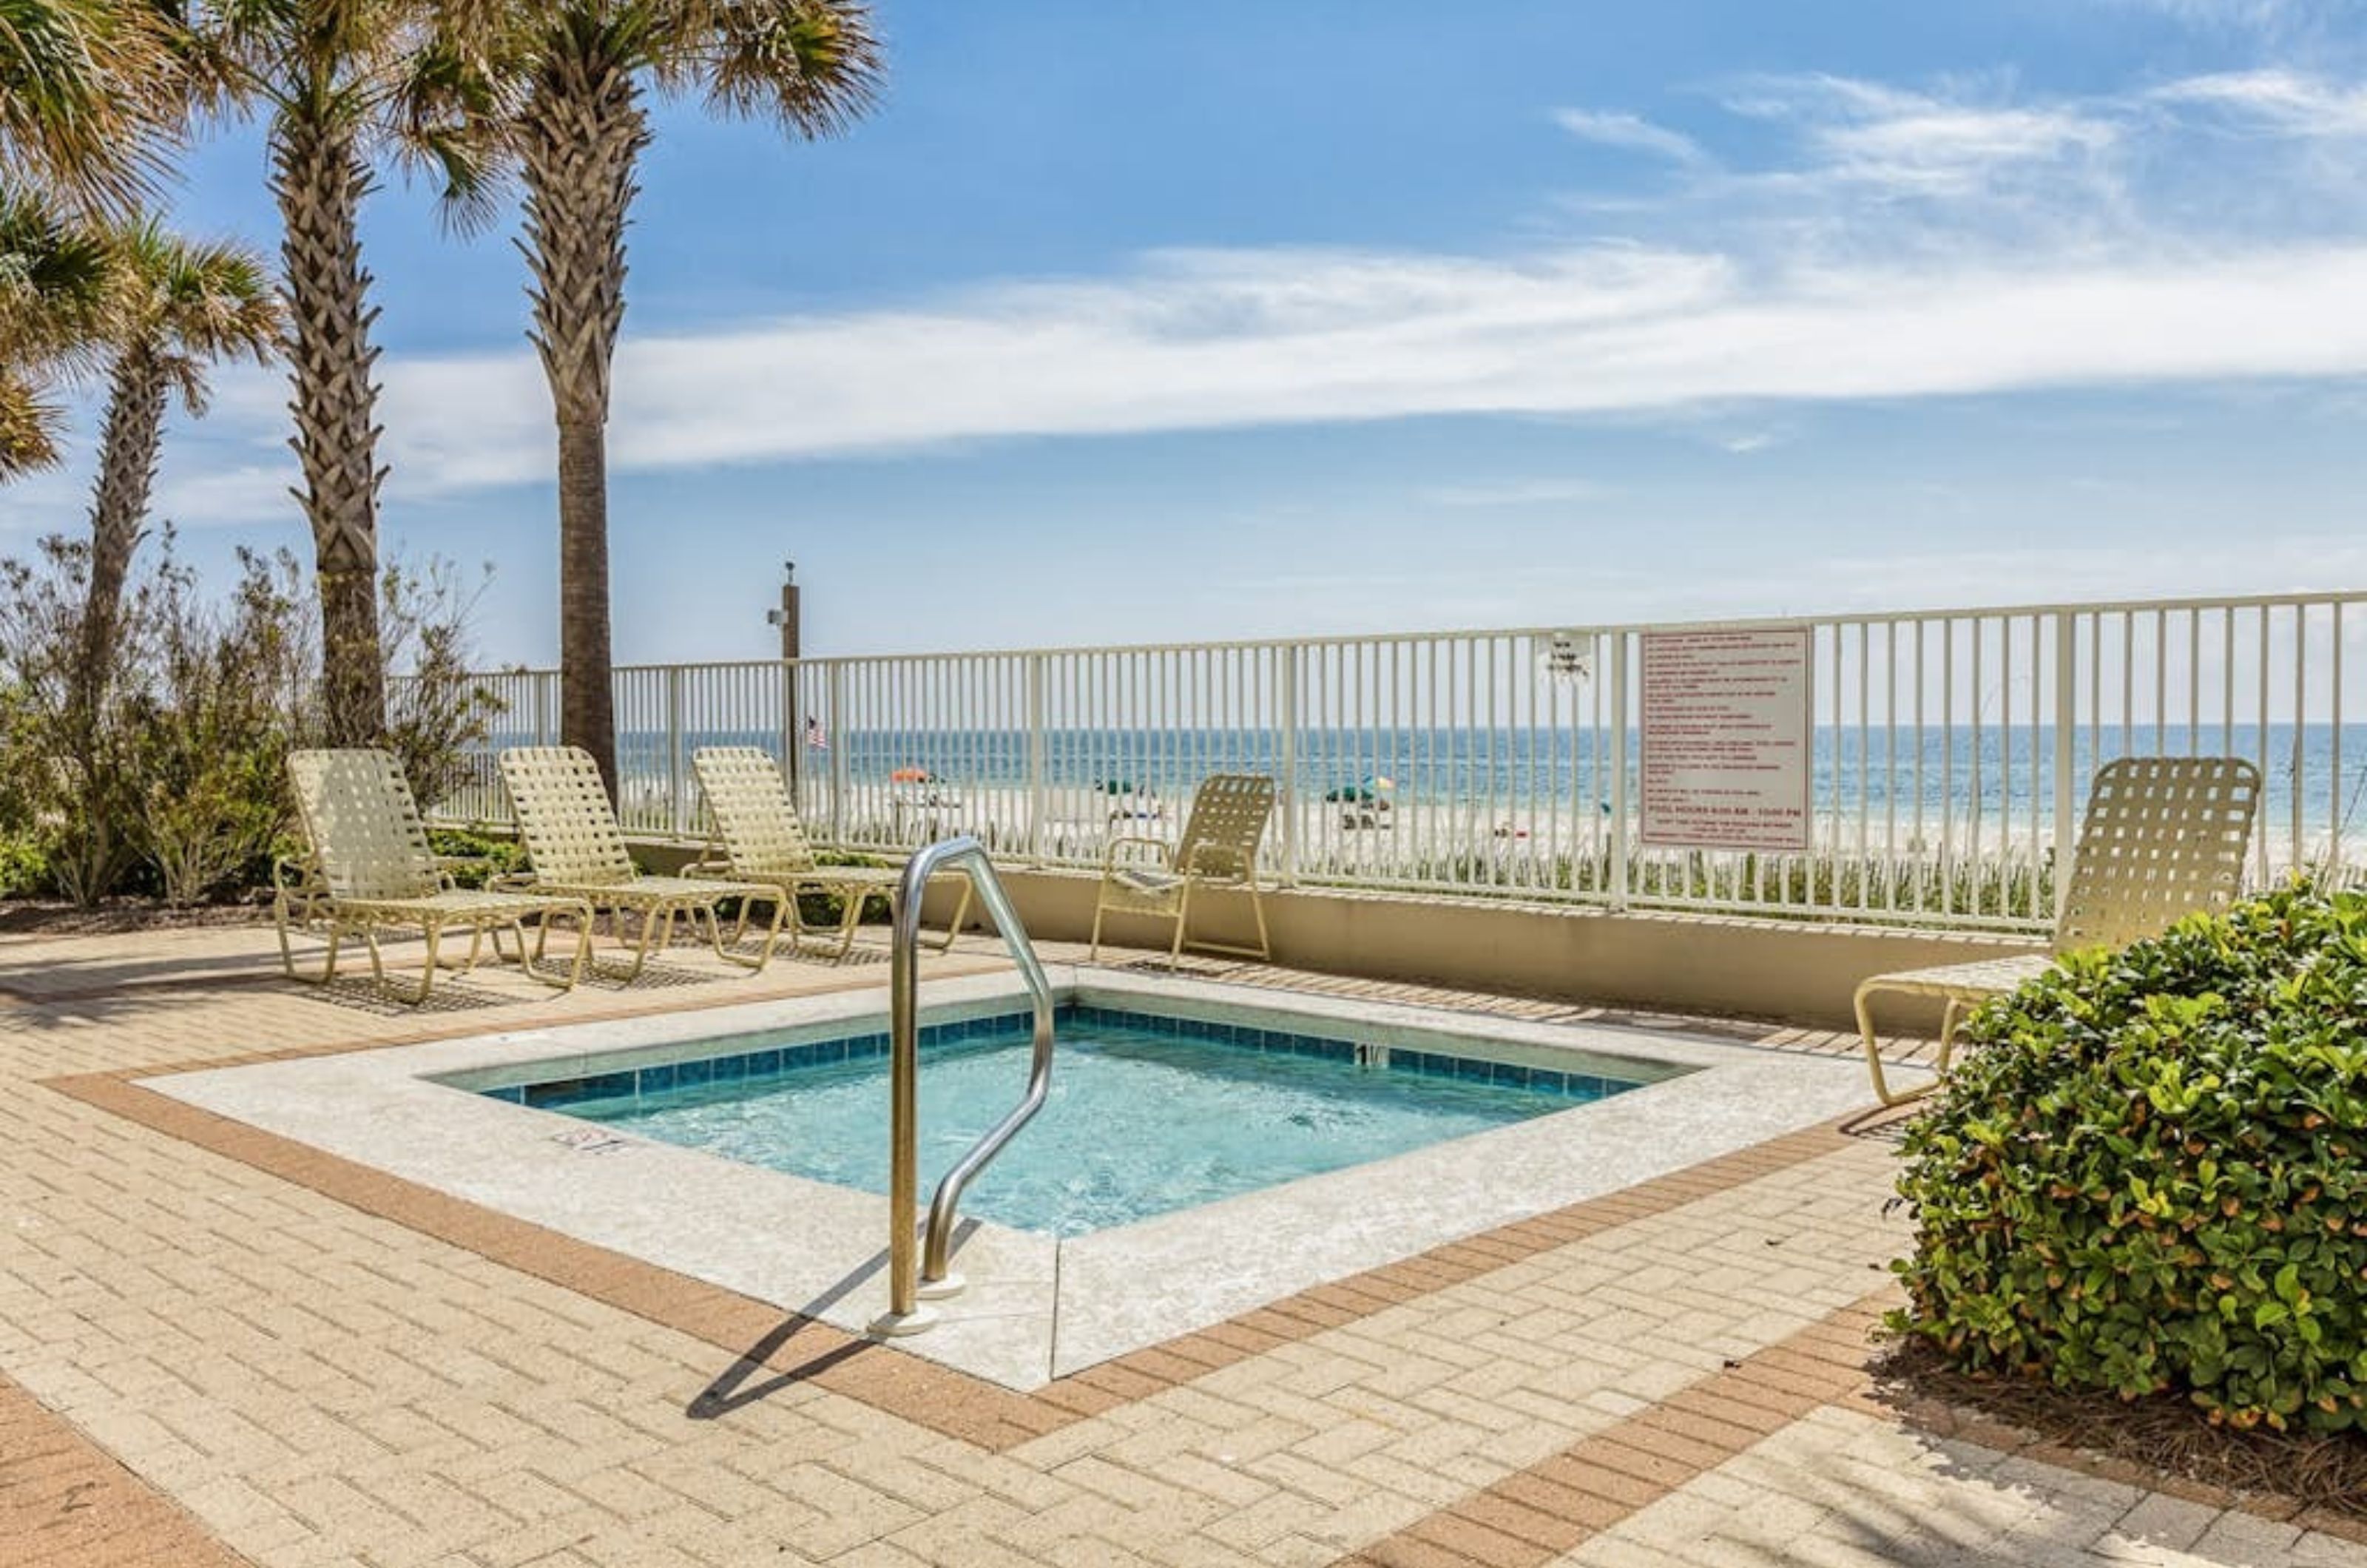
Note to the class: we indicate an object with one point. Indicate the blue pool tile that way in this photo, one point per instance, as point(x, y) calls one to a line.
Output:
point(515, 1094)
point(576, 1091)
point(657, 1079)
point(690, 1075)
point(1510, 1074)
point(764, 1064)
point(1471, 1071)
point(731, 1070)
point(1546, 1081)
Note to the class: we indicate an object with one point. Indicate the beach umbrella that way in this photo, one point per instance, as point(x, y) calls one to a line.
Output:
point(1373, 786)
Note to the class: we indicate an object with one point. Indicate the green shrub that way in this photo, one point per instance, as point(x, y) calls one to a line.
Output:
point(24, 869)
point(2152, 1173)
point(160, 765)
point(475, 858)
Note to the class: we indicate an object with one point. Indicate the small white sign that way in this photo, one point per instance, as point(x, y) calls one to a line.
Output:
point(1726, 731)
point(1568, 657)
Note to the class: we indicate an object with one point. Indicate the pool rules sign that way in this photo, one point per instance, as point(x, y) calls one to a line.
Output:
point(1726, 739)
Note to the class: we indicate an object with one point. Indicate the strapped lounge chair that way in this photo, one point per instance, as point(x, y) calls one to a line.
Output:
point(1218, 849)
point(2165, 836)
point(758, 838)
point(369, 868)
point(577, 849)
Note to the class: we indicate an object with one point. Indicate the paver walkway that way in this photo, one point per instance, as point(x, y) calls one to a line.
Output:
point(206, 1358)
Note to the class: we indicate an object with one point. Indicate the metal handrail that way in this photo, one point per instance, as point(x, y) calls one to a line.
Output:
point(906, 1281)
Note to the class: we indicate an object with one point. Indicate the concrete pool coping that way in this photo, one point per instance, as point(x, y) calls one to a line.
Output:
point(1037, 1309)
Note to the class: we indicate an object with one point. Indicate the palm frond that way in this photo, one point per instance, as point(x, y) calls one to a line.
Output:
point(813, 66)
point(88, 91)
point(56, 281)
point(29, 427)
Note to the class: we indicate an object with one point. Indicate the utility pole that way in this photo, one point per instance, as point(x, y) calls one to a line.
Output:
point(795, 724)
point(785, 618)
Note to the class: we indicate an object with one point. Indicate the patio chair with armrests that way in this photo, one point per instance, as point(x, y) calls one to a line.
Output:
point(576, 849)
point(368, 868)
point(1218, 849)
point(2164, 838)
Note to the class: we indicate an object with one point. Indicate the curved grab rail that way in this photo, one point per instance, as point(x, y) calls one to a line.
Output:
point(906, 1281)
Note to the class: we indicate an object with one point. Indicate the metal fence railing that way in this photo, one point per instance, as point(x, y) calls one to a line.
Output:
point(1950, 751)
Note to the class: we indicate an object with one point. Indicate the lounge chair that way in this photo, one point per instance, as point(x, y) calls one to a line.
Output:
point(1218, 849)
point(758, 838)
point(2164, 836)
point(368, 868)
point(577, 851)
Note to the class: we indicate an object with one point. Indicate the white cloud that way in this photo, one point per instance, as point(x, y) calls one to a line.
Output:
point(1868, 133)
point(226, 495)
point(1633, 133)
point(2287, 103)
point(1927, 243)
point(1261, 338)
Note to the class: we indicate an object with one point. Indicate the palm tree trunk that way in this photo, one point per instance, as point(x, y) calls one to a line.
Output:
point(587, 716)
point(320, 179)
point(582, 131)
point(127, 472)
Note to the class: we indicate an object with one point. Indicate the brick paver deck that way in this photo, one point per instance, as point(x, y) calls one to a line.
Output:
point(214, 1347)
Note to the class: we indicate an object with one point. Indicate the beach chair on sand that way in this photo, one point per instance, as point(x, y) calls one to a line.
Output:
point(577, 851)
point(2164, 836)
point(1218, 849)
point(758, 838)
point(368, 868)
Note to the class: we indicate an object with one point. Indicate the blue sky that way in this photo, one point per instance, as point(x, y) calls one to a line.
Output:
point(1135, 322)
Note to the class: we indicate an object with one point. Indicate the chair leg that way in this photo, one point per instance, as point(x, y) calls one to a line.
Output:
point(961, 916)
point(1182, 918)
point(1958, 1009)
point(850, 915)
point(434, 931)
point(784, 909)
point(715, 929)
point(280, 918)
point(574, 972)
point(1257, 908)
point(652, 919)
point(1864, 1003)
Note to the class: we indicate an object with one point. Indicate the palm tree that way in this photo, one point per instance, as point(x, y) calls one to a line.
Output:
point(88, 88)
point(577, 127)
point(179, 307)
point(333, 75)
point(54, 293)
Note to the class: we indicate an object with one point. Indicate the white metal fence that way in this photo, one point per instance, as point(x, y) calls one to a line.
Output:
point(1951, 750)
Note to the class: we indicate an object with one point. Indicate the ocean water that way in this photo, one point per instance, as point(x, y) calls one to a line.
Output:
point(2316, 775)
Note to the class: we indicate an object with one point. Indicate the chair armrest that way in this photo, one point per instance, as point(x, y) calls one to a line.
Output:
point(1234, 863)
point(1164, 852)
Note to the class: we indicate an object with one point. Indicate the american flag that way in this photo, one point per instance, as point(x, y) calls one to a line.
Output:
point(816, 736)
